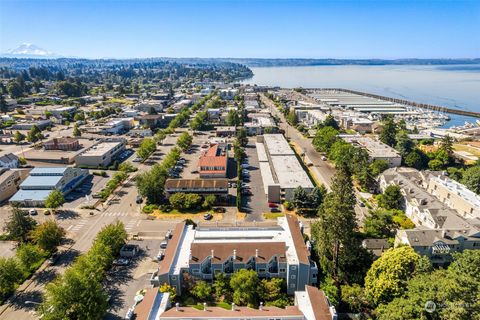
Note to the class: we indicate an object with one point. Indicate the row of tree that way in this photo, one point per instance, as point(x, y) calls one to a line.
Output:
point(79, 292)
point(190, 201)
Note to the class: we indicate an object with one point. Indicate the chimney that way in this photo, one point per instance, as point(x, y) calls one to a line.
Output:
point(177, 306)
point(234, 254)
point(212, 253)
point(204, 306)
point(233, 306)
point(190, 255)
point(256, 253)
point(261, 306)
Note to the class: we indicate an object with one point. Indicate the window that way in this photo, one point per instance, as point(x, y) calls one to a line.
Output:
point(314, 275)
point(196, 270)
point(261, 270)
point(283, 270)
point(292, 285)
point(294, 267)
point(293, 277)
point(174, 278)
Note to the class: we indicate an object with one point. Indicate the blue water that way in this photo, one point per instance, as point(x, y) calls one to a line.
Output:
point(453, 86)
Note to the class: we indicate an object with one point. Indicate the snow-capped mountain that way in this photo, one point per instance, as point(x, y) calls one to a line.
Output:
point(29, 50)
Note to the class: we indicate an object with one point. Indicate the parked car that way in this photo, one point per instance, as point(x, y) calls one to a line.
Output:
point(219, 209)
point(163, 244)
point(245, 166)
point(160, 255)
point(324, 158)
point(32, 212)
point(137, 159)
point(272, 205)
point(121, 262)
point(168, 235)
point(275, 210)
point(207, 216)
point(194, 171)
point(139, 200)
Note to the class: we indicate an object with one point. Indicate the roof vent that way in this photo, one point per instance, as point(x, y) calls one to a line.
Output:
point(256, 253)
point(233, 306)
point(212, 253)
point(234, 254)
point(177, 306)
point(261, 306)
point(204, 306)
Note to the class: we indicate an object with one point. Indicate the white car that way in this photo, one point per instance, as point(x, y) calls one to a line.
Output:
point(160, 255)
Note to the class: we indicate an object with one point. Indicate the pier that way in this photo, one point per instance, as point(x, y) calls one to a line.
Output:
point(410, 103)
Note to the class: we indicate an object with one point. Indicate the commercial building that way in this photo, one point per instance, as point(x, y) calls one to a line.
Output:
point(41, 124)
point(10, 181)
point(217, 187)
point(42, 181)
point(376, 149)
point(225, 131)
point(309, 304)
point(259, 124)
point(61, 112)
point(213, 162)
point(101, 154)
point(64, 144)
point(281, 171)
point(148, 105)
point(276, 251)
point(154, 121)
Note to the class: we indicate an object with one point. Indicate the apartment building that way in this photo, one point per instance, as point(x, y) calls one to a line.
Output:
point(275, 251)
point(9, 160)
point(10, 181)
point(216, 187)
point(309, 304)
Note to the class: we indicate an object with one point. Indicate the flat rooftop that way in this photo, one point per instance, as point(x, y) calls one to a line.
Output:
point(100, 149)
point(290, 173)
point(276, 144)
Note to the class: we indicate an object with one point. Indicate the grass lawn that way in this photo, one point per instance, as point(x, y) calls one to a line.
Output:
point(273, 215)
point(175, 214)
point(463, 147)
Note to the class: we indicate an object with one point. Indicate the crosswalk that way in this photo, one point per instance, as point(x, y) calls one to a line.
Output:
point(77, 227)
point(130, 225)
point(115, 214)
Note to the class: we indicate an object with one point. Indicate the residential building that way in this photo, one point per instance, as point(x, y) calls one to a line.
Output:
point(376, 149)
point(101, 154)
point(154, 121)
point(259, 124)
point(41, 181)
point(455, 195)
point(63, 111)
point(148, 105)
point(10, 180)
point(141, 132)
point(439, 244)
point(9, 160)
point(216, 187)
point(213, 162)
point(272, 251)
point(228, 94)
point(424, 209)
point(64, 144)
point(281, 171)
point(214, 113)
point(309, 304)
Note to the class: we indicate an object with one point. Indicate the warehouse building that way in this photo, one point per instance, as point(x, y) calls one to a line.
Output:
point(281, 171)
point(101, 154)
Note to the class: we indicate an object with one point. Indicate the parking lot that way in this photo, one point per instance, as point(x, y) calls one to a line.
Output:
point(123, 282)
point(255, 204)
point(90, 186)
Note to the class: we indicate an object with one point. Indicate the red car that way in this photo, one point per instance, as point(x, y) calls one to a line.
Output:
point(272, 205)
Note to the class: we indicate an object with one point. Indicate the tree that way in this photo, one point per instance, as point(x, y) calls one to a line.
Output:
point(404, 144)
point(365, 178)
point(202, 290)
point(160, 136)
point(379, 224)
point(446, 145)
point(10, 275)
point(378, 166)
point(242, 137)
point(292, 117)
point(334, 231)
point(29, 256)
point(14, 89)
point(147, 147)
point(184, 141)
point(325, 138)
point(341, 153)
point(127, 167)
point(331, 122)
point(389, 132)
point(34, 134)
point(354, 297)
point(270, 289)
point(388, 275)
point(177, 200)
point(415, 160)
point(151, 184)
point(232, 118)
point(192, 201)
point(54, 200)
point(244, 285)
point(168, 288)
point(3, 104)
point(18, 137)
point(18, 226)
point(471, 179)
point(113, 235)
point(300, 198)
point(435, 165)
point(76, 131)
point(209, 201)
point(391, 197)
point(221, 287)
point(48, 235)
point(316, 197)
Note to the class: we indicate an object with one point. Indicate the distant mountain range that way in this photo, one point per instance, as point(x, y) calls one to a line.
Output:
point(254, 62)
point(29, 50)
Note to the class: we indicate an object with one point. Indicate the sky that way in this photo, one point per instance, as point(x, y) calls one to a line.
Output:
point(362, 29)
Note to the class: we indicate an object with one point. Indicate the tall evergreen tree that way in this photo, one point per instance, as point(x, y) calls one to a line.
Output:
point(389, 131)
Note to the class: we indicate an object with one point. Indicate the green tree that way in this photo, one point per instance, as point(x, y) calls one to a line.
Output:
point(113, 235)
point(151, 184)
point(192, 201)
point(292, 117)
point(271, 289)
point(232, 118)
point(18, 225)
point(34, 134)
point(48, 235)
point(415, 160)
point(446, 145)
point(471, 179)
point(379, 224)
point(341, 153)
point(177, 200)
point(54, 200)
point(334, 231)
point(221, 287)
point(10, 276)
point(184, 141)
point(160, 136)
point(244, 285)
point(325, 138)
point(354, 297)
point(202, 290)
point(435, 165)
point(389, 132)
point(147, 147)
point(168, 288)
point(404, 144)
point(76, 131)
point(127, 167)
point(331, 122)
point(300, 198)
point(29, 256)
point(391, 198)
point(18, 137)
point(242, 137)
point(3, 104)
point(209, 201)
point(388, 276)
point(378, 166)
point(15, 90)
